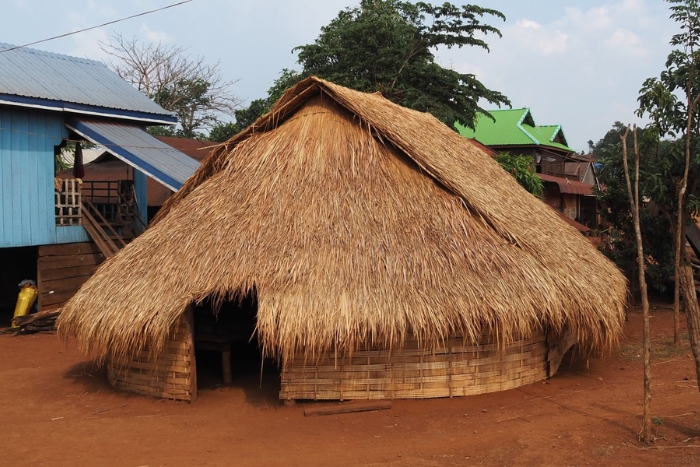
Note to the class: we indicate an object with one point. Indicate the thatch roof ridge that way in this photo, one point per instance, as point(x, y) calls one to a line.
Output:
point(267, 211)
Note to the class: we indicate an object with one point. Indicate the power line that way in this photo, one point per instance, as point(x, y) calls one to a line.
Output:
point(98, 26)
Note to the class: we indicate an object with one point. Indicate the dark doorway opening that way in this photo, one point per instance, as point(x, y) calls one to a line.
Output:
point(18, 264)
point(225, 338)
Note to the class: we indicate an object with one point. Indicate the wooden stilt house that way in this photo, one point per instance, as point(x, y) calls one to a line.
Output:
point(53, 229)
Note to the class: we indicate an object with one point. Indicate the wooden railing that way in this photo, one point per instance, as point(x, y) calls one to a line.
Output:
point(68, 201)
point(106, 209)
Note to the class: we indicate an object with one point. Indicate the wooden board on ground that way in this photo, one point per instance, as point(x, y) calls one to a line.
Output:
point(350, 407)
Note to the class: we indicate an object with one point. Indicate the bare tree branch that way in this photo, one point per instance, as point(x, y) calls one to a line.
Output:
point(195, 91)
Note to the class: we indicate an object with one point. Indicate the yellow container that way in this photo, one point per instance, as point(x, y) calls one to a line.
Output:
point(25, 300)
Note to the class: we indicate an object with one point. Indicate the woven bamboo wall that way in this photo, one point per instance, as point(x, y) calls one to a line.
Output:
point(171, 376)
point(458, 369)
point(558, 345)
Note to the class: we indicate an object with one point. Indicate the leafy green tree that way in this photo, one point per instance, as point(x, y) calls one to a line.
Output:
point(658, 162)
point(244, 118)
point(609, 141)
point(678, 116)
point(521, 168)
point(387, 46)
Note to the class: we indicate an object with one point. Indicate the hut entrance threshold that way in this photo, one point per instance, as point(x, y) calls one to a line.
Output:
point(217, 343)
point(226, 348)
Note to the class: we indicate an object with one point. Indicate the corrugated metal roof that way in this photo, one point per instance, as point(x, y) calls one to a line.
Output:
point(110, 168)
point(569, 186)
point(139, 149)
point(36, 74)
point(513, 127)
point(195, 148)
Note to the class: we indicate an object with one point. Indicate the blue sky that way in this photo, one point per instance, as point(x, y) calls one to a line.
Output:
point(577, 64)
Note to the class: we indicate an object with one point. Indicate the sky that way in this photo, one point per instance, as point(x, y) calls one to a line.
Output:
point(578, 64)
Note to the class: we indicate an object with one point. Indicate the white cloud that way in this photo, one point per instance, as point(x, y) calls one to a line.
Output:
point(101, 9)
point(581, 69)
point(588, 21)
point(154, 36)
point(627, 42)
point(528, 24)
point(531, 34)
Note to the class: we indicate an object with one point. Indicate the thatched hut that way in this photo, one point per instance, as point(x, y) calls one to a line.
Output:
point(387, 257)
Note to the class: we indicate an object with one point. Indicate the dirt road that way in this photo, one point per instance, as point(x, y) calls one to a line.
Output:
point(57, 409)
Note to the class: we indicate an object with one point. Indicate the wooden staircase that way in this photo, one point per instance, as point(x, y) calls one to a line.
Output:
point(111, 235)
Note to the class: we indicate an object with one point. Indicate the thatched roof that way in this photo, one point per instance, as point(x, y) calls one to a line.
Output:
point(353, 219)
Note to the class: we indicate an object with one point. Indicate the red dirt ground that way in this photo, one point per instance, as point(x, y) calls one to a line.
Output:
point(56, 408)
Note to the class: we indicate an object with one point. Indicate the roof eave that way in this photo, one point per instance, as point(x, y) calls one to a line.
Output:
point(61, 106)
point(520, 127)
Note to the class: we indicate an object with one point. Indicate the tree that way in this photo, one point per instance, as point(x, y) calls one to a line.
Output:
point(660, 166)
point(244, 118)
point(521, 168)
point(635, 208)
point(194, 91)
point(671, 115)
point(387, 46)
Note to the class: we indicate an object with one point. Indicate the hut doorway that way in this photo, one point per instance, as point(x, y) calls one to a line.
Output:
point(227, 350)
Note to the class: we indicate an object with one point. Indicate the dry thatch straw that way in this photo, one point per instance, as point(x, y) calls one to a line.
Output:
point(354, 220)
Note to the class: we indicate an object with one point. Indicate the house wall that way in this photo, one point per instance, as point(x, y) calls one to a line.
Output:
point(62, 270)
point(27, 215)
point(552, 195)
point(569, 205)
point(588, 214)
point(141, 190)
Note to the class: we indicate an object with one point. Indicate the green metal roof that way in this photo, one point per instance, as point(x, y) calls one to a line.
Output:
point(514, 127)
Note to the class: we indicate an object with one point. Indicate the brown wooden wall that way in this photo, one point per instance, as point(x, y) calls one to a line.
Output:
point(62, 269)
point(172, 375)
point(457, 369)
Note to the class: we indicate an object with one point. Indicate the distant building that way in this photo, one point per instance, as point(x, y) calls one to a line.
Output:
point(568, 177)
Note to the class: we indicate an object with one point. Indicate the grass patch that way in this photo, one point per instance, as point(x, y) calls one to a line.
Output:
point(661, 349)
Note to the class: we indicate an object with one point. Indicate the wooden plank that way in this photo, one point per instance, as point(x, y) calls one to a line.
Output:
point(58, 262)
point(68, 249)
point(346, 408)
point(188, 321)
point(66, 273)
point(65, 284)
point(104, 243)
point(56, 298)
point(29, 319)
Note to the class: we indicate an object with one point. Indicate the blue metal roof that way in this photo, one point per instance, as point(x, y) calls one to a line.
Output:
point(35, 78)
point(138, 149)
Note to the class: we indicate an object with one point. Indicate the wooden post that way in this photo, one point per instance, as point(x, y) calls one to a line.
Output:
point(226, 363)
point(189, 319)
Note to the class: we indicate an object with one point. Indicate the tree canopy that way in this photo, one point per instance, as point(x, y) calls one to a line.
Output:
point(388, 46)
point(659, 160)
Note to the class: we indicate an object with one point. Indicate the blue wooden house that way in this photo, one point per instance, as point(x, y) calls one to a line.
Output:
point(58, 230)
